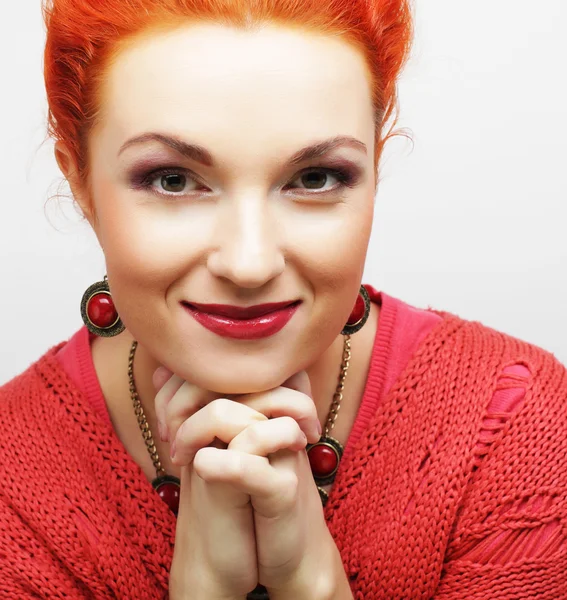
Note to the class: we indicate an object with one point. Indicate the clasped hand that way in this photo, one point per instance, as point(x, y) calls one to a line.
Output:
point(249, 511)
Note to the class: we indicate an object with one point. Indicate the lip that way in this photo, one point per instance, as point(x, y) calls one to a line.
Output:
point(240, 312)
point(245, 323)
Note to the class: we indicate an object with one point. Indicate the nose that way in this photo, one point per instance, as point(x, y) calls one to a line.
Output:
point(247, 249)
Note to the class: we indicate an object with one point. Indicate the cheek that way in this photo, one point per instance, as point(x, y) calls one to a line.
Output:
point(332, 250)
point(144, 241)
point(331, 258)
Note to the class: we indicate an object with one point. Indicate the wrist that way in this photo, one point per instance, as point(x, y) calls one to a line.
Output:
point(316, 583)
point(200, 595)
point(198, 590)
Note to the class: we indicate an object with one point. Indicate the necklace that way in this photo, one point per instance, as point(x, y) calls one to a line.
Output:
point(324, 456)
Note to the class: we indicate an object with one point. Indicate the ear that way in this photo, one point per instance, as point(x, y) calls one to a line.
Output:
point(79, 190)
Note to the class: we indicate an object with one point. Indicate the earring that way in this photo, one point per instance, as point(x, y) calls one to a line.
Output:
point(359, 314)
point(98, 311)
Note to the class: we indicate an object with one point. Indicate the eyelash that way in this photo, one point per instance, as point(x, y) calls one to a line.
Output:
point(346, 179)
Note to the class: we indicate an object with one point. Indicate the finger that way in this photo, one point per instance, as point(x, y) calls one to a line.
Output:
point(187, 400)
point(266, 437)
point(250, 474)
point(160, 376)
point(163, 397)
point(284, 401)
point(222, 418)
point(300, 382)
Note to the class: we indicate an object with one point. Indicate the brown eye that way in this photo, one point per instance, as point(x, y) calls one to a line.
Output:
point(313, 180)
point(321, 180)
point(173, 183)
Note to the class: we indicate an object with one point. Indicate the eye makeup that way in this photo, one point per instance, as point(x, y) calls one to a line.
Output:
point(142, 175)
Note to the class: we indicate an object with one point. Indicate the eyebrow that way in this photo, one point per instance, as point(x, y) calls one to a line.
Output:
point(203, 156)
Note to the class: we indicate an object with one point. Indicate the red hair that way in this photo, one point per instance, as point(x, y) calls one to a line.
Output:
point(84, 35)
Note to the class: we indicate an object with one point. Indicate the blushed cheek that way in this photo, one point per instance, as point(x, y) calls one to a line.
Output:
point(334, 252)
point(145, 243)
point(332, 260)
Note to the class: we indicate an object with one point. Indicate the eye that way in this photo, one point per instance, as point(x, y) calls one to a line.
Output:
point(316, 178)
point(172, 183)
point(167, 181)
point(176, 181)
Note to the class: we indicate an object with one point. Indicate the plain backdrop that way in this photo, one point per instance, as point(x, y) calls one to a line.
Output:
point(471, 218)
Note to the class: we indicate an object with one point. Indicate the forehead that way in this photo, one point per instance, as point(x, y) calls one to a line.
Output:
point(209, 80)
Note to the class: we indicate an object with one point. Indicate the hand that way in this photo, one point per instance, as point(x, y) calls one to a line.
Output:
point(264, 461)
point(215, 550)
point(295, 549)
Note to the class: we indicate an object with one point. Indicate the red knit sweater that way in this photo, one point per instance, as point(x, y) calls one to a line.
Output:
point(454, 488)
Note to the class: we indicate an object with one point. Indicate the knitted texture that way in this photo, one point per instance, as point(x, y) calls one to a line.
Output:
point(460, 472)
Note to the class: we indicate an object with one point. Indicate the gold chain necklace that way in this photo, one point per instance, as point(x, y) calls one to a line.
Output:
point(324, 456)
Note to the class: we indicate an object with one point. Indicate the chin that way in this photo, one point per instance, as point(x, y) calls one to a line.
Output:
point(231, 374)
point(228, 367)
point(239, 383)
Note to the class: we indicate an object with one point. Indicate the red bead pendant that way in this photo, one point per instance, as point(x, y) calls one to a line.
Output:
point(101, 310)
point(324, 458)
point(168, 489)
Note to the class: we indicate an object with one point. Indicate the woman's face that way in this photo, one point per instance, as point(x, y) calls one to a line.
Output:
point(242, 223)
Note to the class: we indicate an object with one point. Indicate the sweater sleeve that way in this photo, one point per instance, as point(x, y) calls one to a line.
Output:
point(509, 538)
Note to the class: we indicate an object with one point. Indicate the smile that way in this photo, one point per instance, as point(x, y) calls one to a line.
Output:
point(244, 323)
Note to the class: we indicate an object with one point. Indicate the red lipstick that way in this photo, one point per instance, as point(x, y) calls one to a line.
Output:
point(244, 323)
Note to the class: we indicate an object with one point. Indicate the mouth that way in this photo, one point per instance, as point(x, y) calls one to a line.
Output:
point(247, 323)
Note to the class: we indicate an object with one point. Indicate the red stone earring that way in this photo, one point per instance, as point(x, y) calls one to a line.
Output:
point(98, 311)
point(359, 314)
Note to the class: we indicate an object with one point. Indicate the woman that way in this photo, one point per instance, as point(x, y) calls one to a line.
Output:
point(239, 416)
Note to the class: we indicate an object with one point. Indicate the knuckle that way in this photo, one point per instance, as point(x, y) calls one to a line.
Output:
point(290, 484)
point(236, 465)
point(254, 432)
point(219, 408)
point(290, 424)
point(288, 431)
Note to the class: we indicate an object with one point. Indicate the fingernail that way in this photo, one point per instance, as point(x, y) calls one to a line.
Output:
point(319, 428)
point(173, 449)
